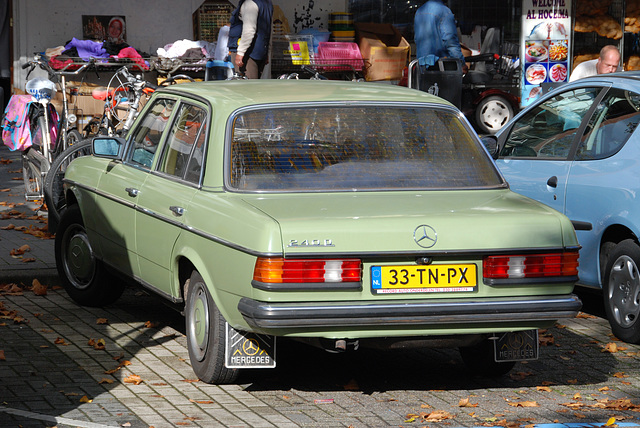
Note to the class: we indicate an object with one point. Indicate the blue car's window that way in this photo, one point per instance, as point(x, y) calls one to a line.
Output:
point(345, 148)
point(186, 131)
point(147, 135)
point(613, 122)
point(548, 130)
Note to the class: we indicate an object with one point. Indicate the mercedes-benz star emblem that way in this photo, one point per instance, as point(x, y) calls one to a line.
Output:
point(425, 236)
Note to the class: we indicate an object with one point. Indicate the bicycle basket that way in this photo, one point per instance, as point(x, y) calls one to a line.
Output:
point(41, 89)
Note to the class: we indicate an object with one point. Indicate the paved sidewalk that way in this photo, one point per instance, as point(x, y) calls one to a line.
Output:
point(22, 223)
point(127, 365)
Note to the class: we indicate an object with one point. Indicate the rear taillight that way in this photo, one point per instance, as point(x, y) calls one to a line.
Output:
point(280, 270)
point(531, 265)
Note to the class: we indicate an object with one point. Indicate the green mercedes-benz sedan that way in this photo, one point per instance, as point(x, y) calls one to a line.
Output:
point(342, 214)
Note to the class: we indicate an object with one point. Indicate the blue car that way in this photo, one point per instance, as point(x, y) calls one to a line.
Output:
point(577, 150)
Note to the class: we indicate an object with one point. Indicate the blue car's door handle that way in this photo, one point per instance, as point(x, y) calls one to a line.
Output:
point(552, 182)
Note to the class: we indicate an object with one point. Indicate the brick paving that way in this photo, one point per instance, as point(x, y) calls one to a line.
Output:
point(52, 374)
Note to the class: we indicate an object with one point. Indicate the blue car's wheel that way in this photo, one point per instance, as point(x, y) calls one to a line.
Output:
point(621, 290)
point(205, 334)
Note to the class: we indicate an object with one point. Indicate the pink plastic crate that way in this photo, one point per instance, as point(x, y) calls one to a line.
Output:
point(339, 53)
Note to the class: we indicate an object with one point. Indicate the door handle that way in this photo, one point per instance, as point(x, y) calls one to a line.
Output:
point(132, 192)
point(552, 182)
point(177, 211)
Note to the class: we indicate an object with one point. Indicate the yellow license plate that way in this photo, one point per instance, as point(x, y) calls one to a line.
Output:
point(424, 279)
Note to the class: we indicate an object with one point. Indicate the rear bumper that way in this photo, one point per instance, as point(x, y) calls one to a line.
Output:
point(398, 313)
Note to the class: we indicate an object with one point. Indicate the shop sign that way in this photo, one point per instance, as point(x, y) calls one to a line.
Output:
point(545, 46)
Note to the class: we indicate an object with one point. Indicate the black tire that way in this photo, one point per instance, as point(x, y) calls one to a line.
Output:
point(479, 360)
point(492, 113)
point(32, 177)
point(206, 332)
point(53, 191)
point(621, 291)
point(83, 276)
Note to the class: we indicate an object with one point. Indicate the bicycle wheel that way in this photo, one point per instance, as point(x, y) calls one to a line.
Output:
point(73, 137)
point(32, 178)
point(53, 190)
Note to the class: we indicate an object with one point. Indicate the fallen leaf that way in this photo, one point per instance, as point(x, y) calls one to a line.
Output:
point(150, 324)
point(604, 388)
point(134, 379)
point(106, 380)
point(85, 399)
point(543, 388)
point(610, 422)
point(38, 288)
point(323, 401)
point(620, 375)
point(577, 396)
point(60, 341)
point(28, 260)
point(524, 404)
point(610, 347)
point(464, 402)
point(101, 321)
point(2, 357)
point(438, 416)
point(352, 385)
point(572, 381)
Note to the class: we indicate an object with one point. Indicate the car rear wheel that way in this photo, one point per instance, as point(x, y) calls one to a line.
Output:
point(492, 113)
point(621, 291)
point(206, 332)
point(83, 276)
point(479, 359)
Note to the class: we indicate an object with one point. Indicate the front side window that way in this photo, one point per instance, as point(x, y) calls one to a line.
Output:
point(548, 130)
point(147, 135)
point(613, 122)
point(346, 148)
point(187, 130)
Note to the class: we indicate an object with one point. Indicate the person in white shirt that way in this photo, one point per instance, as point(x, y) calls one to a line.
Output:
point(608, 62)
point(250, 36)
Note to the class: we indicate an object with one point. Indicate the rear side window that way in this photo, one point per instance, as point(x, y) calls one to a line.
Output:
point(346, 148)
point(187, 133)
point(548, 130)
point(615, 119)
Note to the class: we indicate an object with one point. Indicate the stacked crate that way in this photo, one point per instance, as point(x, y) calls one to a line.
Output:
point(209, 17)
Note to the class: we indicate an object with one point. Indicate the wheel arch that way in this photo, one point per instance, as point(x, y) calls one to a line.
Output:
point(613, 234)
point(186, 262)
point(512, 99)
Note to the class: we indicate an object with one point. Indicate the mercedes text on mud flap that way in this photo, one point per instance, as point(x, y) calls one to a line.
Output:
point(337, 214)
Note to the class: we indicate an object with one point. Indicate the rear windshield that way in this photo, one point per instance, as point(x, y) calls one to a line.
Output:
point(347, 148)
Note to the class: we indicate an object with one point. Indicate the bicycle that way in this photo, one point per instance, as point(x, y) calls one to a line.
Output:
point(123, 93)
point(50, 133)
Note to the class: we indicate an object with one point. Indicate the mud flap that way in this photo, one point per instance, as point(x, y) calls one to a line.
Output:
point(245, 350)
point(516, 346)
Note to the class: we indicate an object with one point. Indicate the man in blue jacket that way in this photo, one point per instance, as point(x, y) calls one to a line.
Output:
point(250, 36)
point(436, 35)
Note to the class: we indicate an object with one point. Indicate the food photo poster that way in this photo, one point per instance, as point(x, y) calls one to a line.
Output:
point(546, 26)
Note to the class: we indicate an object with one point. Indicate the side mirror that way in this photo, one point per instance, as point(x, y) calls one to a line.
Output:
point(491, 144)
point(108, 147)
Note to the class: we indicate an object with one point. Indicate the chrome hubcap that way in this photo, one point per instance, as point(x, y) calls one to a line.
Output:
point(624, 291)
point(79, 261)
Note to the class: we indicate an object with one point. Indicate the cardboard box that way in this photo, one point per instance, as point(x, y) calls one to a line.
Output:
point(384, 50)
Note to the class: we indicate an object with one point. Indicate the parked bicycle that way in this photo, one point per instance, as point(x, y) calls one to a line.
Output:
point(32, 125)
point(124, 97)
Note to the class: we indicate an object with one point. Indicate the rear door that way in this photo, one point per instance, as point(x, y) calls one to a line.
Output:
point(166, 194)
